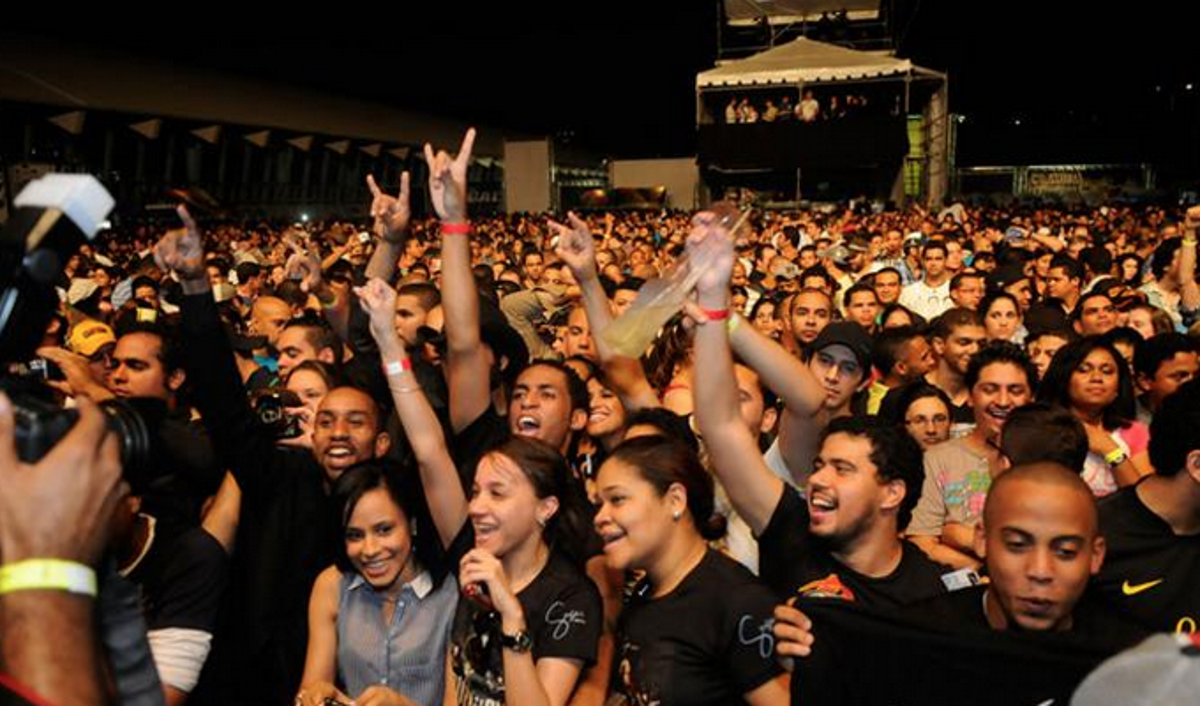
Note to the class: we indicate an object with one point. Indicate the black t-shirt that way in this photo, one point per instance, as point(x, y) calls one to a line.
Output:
point(1149, 572)
point(187, 472)
point(863, 656)
point(707, 642)
point(287, 535)
point(563, 616)
point(792, 561)
point(962, 413)
point(181, 580)
point(1093, 623)
point(486, 432)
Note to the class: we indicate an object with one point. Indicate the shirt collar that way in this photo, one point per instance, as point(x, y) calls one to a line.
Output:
point(421, 585)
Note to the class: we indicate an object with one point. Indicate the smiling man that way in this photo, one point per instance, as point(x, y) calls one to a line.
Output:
point(286, 535)
point(1000, 379)
point(841, 538)
point(1040, 535)
point(955, 336)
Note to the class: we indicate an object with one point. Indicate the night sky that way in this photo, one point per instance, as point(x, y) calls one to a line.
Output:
point(618, 77)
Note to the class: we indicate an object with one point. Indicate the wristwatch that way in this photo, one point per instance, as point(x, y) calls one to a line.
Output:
point(1116, 457)
point(519, 642)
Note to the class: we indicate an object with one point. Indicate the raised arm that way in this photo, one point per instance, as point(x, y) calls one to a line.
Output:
point(467, 369)
point(392, 215)
point(208, 358)
point(577, 249)
point(305, 267)
point(753, 488)
point(1189, 290)
point(443, 489)
point(792, 381)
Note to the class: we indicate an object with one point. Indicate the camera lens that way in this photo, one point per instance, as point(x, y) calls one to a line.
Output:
point(135, 421)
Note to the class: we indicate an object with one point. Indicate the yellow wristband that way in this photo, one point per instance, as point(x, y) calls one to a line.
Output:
point(47, 574)
point(1115, 457)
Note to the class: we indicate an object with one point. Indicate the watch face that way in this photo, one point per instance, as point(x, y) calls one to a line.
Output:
point(519, 642)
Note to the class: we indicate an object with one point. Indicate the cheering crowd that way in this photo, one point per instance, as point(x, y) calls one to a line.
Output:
point(868, 458)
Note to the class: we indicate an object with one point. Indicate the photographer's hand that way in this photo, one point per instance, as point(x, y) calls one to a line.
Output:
point(79, 380)
point(59, 508)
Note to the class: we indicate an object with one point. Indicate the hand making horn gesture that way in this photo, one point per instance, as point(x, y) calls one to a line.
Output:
point(448, 180)
point(391, 213)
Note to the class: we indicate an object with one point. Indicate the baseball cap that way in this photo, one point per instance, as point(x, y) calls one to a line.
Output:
point(838, 253)
point(1004, 276)
point(80, 290)
point(785, 270)
point(1164, 670)
point(89, 336)
point(851, 335)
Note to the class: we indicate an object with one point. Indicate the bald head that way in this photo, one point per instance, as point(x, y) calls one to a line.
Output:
point(1041, 541)
point(1015, 486)
point(268, 316)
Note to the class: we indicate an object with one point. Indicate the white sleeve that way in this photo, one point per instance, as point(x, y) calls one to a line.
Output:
point(179, 654)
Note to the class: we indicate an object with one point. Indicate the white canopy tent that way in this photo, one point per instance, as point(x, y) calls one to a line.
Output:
point(805, 61)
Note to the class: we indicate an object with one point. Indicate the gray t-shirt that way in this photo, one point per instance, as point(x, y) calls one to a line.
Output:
point(956, 484)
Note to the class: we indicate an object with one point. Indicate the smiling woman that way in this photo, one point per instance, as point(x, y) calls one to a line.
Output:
point(530, 619)
point(696, 629)
point(1090, 378)
point(380, 618)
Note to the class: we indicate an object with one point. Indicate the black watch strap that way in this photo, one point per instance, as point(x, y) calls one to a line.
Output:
point(519, 642)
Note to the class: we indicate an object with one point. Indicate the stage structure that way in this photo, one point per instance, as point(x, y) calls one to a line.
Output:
point(881, 128)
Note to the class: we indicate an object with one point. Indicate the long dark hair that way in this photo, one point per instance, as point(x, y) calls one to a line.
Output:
point(662, 462)
point(403, 486)
point(1056, 387)
point(569, 529)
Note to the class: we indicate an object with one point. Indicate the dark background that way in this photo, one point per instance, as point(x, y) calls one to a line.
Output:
point(1036, 81)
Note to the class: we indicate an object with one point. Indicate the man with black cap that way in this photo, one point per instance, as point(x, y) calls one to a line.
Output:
point(1011, 278)
point(840, 357)
point(843, 539)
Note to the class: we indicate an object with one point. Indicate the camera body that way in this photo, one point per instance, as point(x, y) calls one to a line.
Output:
point(271, 408)
point(40, 422)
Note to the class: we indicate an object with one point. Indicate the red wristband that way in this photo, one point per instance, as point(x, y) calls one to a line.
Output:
point(715, 314)
point(395, 367)
point(463, 228)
